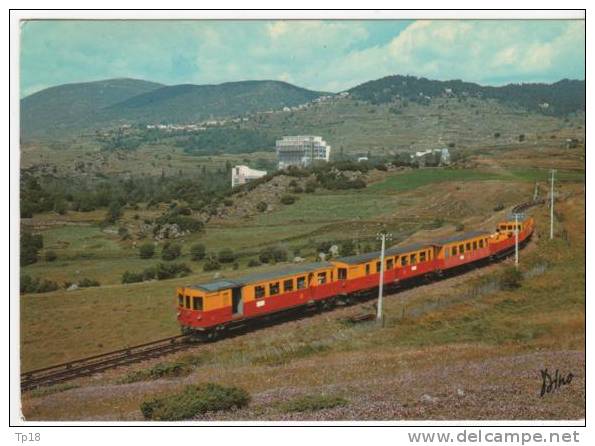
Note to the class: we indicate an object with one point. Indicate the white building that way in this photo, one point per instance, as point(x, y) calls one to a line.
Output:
point(301, 150)
point(243, 174)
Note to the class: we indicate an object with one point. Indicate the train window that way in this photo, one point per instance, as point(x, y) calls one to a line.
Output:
point(321, 278)
point(273, 288)
point(413, 259)
point(481, 243)
point(288, 285)
point(422, 256)
point(461, 248)
point(301, 282)
point(510, 227)
point(197, 303)
point(180, 299)
point(187, 302)
point(468, 246)
point(475, 244)
point(446, 252)
point(258, 291)
point(390, 263)
point(404, 261)
point(454, 250)
point(367, 269)
point(377, 267)
point(342, 273)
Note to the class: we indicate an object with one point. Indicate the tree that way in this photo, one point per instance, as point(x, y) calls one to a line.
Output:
point(170, 251)
point(347, 248)
point(114, 212)
point(197, 252)
point(146, 251)
point(50, 256)
point(31, 244)
point(226, 256)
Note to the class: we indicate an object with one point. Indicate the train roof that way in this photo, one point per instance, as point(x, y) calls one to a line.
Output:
point(459, 237)
point(289, 270)
point(395, 250)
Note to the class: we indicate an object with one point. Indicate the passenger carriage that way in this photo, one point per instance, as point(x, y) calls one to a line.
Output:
point(209, 307)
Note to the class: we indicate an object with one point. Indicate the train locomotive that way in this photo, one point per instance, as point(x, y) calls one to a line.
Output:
point(208, 310)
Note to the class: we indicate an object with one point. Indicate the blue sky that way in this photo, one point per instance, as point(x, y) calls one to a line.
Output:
point(320, 55)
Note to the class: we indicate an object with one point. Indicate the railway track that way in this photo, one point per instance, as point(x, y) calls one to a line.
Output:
point(93, 364)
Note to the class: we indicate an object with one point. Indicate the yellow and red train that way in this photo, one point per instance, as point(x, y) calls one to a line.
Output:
point(208, 309)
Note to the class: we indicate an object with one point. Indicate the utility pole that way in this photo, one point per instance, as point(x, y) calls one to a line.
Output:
point(536, 192)
point(516, 240)
point(552, 206)
point(382, 236)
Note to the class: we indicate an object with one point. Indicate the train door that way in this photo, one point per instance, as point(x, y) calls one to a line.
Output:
point(237, 304)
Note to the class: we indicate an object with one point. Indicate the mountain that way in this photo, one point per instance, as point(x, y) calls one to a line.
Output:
point(560, 98)
point(71, 105)
point(118, 101)
point(184, 103)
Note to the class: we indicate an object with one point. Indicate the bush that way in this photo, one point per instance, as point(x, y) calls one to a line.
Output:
point(197, 252)
point(310, 187)
point(146, 251)
point(31, 244)
point(161, 370)
point(194, 400)
point(50, 256)
point(211, 265)
point(86, 283)
point(511, 278)
point(129, 277)
point(272, 255)
point(288, 199)
point(347, 248)
point(226, 256)
point(171, 251)
point(170, 270)
point(311, 403)
point(254, 262)
point(262, 206)
point(30, 285)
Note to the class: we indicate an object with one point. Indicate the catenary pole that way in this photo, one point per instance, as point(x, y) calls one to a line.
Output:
point(552, 206)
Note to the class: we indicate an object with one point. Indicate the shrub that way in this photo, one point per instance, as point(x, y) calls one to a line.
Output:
point(211, 265)
point(30, 285)
point(459, 227)
point(129, 277)
point(146, 251)
point(114, 212)
point(262, 206)
point(170, 251)
point(254, 262)
point(310, 187)
point(272, 255)
point(50, 256)
point(194, 400)
point(31, 244)
point(170, 270)
point(347, 248)
point(311, 403)
point(288, 199)
point(511, 278)
point(197, 252)
point(226, 256)
point(86, 283)
point(161, 370)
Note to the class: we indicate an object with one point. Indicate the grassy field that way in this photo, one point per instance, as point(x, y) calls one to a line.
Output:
point(486, 340)
point(491, 343)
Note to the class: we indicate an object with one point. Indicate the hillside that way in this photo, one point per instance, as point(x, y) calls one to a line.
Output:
point(76, 107)
point(71, 105)
point(187, 103)
point(560, 98)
